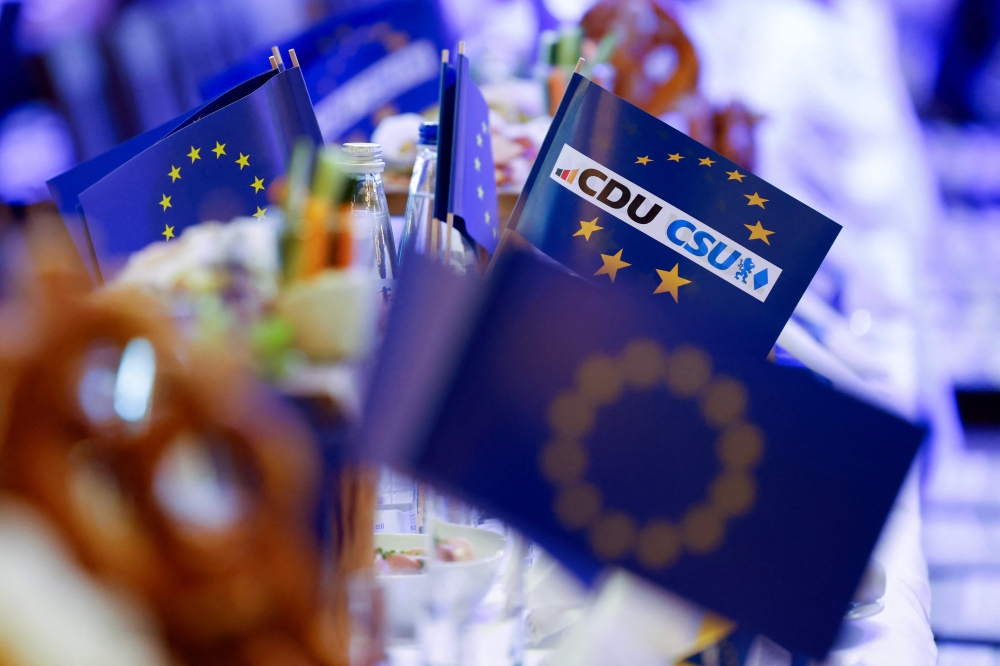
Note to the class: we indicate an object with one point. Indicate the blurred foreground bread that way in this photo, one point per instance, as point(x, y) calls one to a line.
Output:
point(241, 589)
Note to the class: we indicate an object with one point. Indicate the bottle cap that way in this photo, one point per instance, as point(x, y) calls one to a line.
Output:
point(429, 134)
point(362, 158)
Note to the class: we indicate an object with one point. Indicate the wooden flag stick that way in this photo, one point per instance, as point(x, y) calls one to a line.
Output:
point(274, 63)
point(294, 58)
point(434, 238)
point(579, 66)
point(444, 55)
point(447, 240)
point(277, 58)
point(461, 48)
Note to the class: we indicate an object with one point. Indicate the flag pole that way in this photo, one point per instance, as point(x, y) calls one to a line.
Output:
point(461, 48)
point(274, 63)
point(447, 240)
point(277, 58)
point(434, 237)
point(579, 66)
point(294, 58)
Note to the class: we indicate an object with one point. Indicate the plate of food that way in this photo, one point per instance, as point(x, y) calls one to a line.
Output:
point(466, 564)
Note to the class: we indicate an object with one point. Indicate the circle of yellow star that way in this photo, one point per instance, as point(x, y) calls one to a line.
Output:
point(705, 161)
point(219, 150)
point(168, 233)
point(736, 175)
point(260, 213)
point(477, 163)
point(165, 202)
point(675, 157)
point(755, 200)
point(257, 185)
point(670, 281)
point(612, 264)
point(175, 173)
point(244, 161)
point(579, 504)
point(643, 160)
point(479, 191)
point(195, 154)
point(587, 228)
point(758, 232)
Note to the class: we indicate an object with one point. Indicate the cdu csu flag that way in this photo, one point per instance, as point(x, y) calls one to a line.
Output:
point(622, 198)
point(362, 65)
point(466, 181)
point(595, 425)
point(214, 164)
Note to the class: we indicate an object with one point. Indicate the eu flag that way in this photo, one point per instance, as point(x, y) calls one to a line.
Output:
point(66, 188)
point(211, 164)
point(594, 424)
point(623, 198)
point(361, 65)
point(466, 182)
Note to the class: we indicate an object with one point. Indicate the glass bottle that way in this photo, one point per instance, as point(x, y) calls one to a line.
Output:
point(420, 234)
point(374, 248)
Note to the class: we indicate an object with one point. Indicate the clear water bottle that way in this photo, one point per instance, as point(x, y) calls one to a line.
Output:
point(420, 234)
point(374, 248)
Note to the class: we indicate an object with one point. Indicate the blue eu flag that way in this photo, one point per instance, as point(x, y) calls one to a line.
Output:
point(362, 65)
point(466, 182)
point(623, 198)
point(66, 188)
point(211, 164)
point(597, 426)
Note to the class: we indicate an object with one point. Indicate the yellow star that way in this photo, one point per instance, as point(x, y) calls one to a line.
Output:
point(612, 264)
point(195, 154)
point(670, 281)
point(587, 228)
point(168, 233)
point(479, 140)
point(643, 160)
point(244, 161)
point(479, 191)
point(705, 161)
point(757, 232)
point(260, 213)
point(477, 163)
point(485, 129)
point(676, 157)
point(257, 185)
point(736, 175)
point(755, 200)
point(175, 173)
point(219, 150)
point(487, 216)
point(165, 202)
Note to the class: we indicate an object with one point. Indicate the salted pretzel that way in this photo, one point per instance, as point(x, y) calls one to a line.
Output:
point(642, 27)
point(244, 591)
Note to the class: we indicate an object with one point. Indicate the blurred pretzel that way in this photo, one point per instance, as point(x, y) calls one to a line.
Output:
point(242, 592)
point(641, 27)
